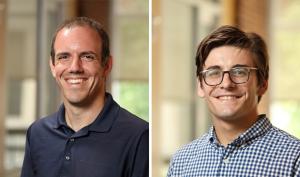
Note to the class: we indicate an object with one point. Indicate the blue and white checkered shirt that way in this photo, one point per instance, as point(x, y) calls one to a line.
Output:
point(262, 150)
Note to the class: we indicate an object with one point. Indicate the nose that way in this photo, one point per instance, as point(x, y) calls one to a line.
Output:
point(226, 82)
point(76, 65)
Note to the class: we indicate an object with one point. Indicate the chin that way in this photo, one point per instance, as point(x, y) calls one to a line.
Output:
point(75, 100)
point(227, 116)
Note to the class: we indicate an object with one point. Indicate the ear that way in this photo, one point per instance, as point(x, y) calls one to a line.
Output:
point(262, 88)
point(52, 67)
point(200, 90)
point(108, 67)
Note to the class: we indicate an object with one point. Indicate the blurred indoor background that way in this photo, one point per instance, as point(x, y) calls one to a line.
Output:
point(27, 89)
point(179, 115)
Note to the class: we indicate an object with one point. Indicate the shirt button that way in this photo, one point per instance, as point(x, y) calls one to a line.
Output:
point(226, 161)
point(68, 157)
point(72, 139)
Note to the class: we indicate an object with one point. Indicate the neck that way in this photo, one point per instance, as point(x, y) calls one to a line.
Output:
point(78, 117)
point(228, 130)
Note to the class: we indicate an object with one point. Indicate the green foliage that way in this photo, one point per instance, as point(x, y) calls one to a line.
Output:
point(134, 97)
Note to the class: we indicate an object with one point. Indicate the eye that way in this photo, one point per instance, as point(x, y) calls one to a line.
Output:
point(88, 57)
point(62, 57)
point(239, 72)
point(213, 73)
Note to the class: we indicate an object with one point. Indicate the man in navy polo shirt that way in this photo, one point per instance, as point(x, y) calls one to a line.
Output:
point(90, 135)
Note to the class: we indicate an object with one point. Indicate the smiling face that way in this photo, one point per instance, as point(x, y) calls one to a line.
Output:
point(229, 101)
point(77, 68)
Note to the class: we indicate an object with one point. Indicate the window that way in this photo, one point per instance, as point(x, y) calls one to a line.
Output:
point(285, 63)
point(130, 51)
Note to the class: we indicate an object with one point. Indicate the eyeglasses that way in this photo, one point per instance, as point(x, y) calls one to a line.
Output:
point(237, 75)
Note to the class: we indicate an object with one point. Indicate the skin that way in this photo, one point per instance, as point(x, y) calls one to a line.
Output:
point(79, 74)
point(233, 106)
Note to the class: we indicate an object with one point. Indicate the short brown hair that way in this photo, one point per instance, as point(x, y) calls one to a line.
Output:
point(85, 21)
point(232, 36)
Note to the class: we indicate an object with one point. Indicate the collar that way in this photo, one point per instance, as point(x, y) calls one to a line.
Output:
point(102, 123)
point(258, 129)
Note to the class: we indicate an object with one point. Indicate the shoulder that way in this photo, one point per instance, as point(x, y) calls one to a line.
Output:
point(285, 140)
point(183, 158)
point(285, 146)
point(127, 127)
point(43, 124)
point(281, 145)
point(130, 121)
point(189, 151)
point(122, 117)
point(132, 130)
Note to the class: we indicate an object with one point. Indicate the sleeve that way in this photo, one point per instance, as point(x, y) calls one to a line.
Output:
point(27, 168)
point(141, 162)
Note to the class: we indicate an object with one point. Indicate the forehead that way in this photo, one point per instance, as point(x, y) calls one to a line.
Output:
point(229, 56)
point(77, 37)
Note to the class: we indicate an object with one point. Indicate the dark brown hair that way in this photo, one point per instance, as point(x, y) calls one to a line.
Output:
point(232, 36)
point(85, 21)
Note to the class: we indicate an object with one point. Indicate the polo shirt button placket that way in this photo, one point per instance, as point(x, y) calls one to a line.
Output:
point(68, 156)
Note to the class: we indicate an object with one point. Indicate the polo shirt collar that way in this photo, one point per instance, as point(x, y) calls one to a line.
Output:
point(104, 120)
point(107, 116)
point(60, 115)
point(258, 129)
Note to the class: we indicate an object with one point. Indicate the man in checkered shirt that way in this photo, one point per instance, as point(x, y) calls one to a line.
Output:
point(232, 70)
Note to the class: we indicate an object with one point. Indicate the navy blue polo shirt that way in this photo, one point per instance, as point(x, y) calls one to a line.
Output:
point(116, 144)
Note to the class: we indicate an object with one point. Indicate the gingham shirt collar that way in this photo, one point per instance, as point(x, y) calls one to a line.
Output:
point(261, 126)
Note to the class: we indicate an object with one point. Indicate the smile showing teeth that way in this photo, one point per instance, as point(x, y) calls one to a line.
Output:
point(75, 81)
point(227, 97)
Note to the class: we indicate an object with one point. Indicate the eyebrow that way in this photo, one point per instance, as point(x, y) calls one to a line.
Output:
point(82, 53)
point(62, 53)
point(240, 65)
point(87, 53)
point(213, 67)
